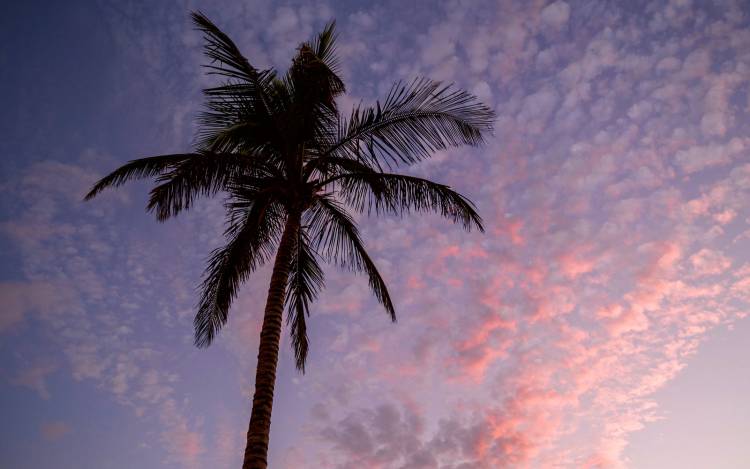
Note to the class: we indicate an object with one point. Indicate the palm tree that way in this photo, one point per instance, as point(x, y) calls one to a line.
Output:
point(291, 168)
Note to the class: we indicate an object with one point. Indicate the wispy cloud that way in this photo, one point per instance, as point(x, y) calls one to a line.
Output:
point(614, 194)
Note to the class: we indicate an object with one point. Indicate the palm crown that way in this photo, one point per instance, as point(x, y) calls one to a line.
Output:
point(281, 150)
point(292, 168)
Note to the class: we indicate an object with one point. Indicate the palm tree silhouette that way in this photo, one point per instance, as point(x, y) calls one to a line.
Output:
point(291, 167)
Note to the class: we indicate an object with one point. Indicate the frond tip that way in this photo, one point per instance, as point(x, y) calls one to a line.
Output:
point(415, 120)
point(250, 242)
point(226, 58)
point(399, 194)
point(333, 231)
point(305, 281)
point(137, 169)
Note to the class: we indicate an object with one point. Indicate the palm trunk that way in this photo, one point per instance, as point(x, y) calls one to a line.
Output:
point(256, 451)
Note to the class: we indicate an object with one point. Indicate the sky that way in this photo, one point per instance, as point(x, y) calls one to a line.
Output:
point(599, 322)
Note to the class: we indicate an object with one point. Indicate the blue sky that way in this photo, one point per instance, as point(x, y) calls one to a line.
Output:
point(601, 321)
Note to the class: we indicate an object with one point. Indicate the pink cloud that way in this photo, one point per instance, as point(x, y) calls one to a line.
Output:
point(182, 443)
point(725, 216)
point(53, 431)
point(698, 158)
point(20, 299)
point(512, 229)
point(612, 188)
point(709, 262)
point(632, 320)
point(574, 264)
point(34, 378)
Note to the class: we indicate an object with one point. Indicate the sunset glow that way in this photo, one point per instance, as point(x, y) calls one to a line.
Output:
point(599, 322)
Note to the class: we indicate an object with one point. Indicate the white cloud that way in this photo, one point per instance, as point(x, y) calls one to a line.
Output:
point(714, 124)
point(698, 157)
point(538, 106)
point(556, 14)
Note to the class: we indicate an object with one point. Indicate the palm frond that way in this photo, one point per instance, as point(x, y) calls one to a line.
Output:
point(305, 281)
point(314, 84)
point(243, 98)
point(415, 120)
point(238, 116)
point(324, 46)
point(223, 52)
point(336, 237)
point(333, 166)
point(399, 194)
point(223, 128)
point(245, 190)
point(250, 242)
point(138, 169)
point(317, 62)
point(204, 174)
